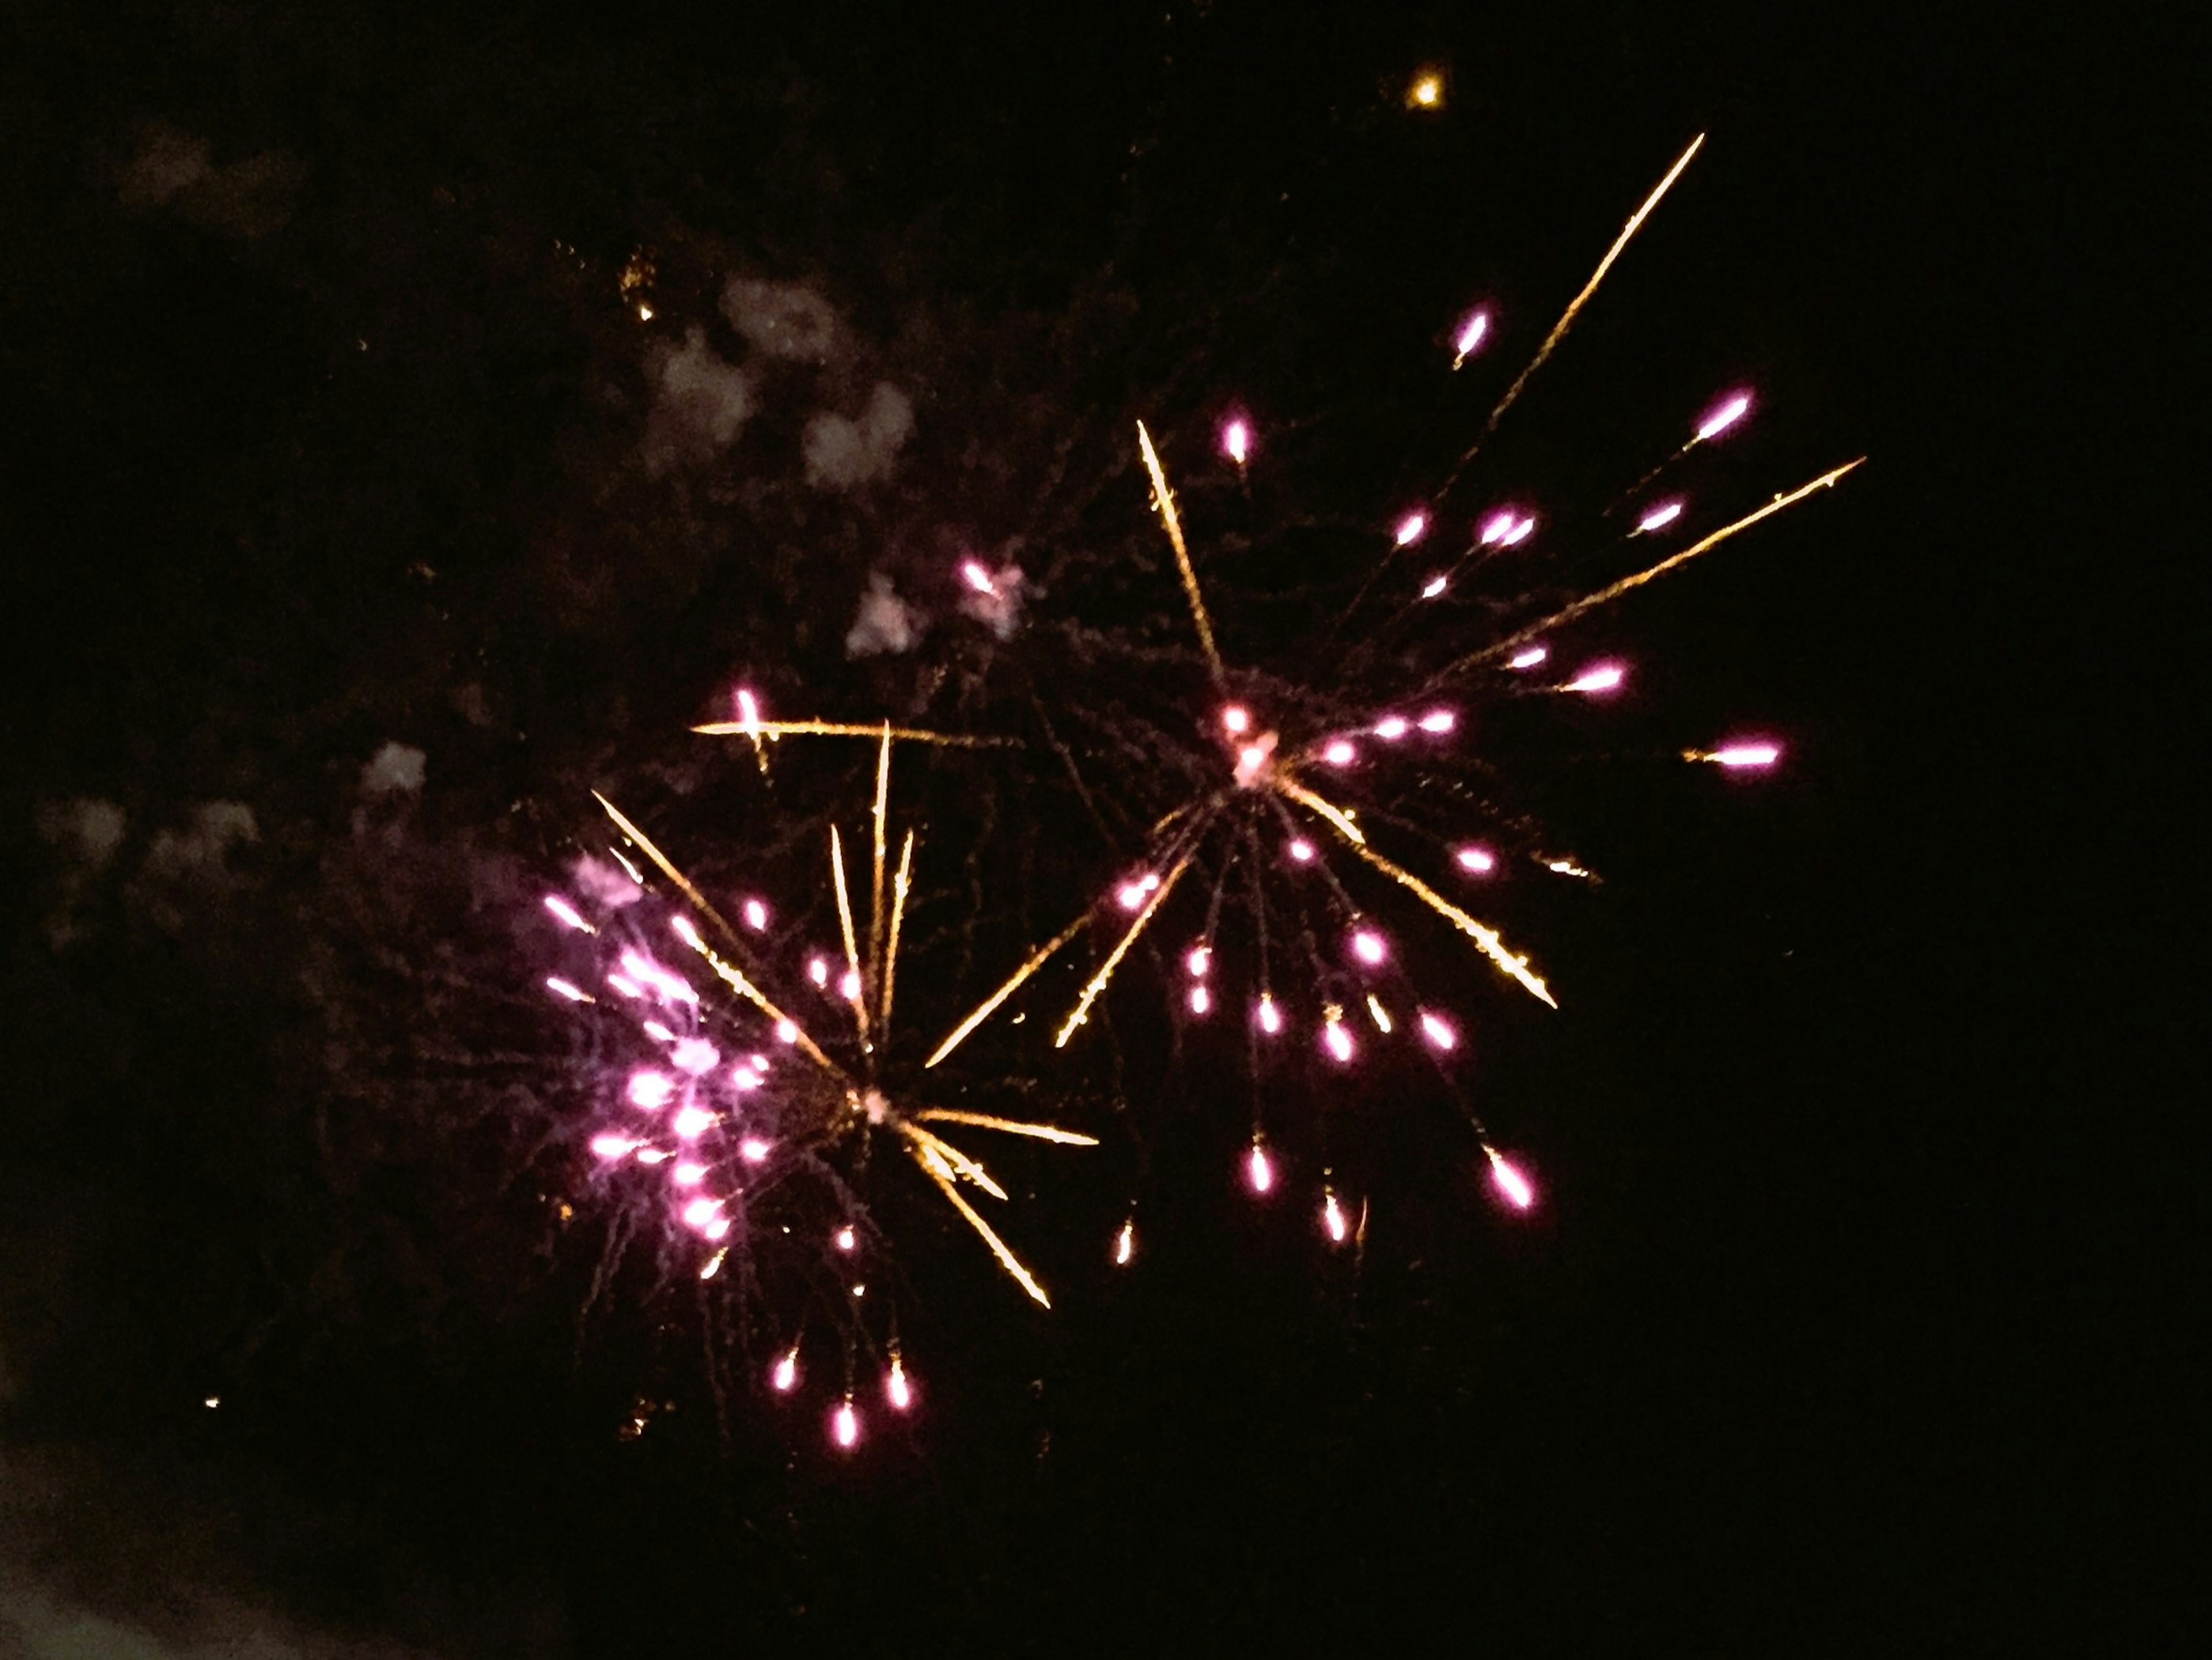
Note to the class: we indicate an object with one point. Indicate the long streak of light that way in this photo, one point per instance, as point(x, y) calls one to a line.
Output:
point(900, 885)
point(1338, 819)
point(852, 945)
point(1604, 596)
point(1007, 1260)
point(1097, 982)
point(1010, 1126)
point(1164, 498)
point(1486, 939)
point(875, 918)
point(955, 1162)
point(773, 729)
point(984, 1010)
point(666, 867)
point(1567, 318)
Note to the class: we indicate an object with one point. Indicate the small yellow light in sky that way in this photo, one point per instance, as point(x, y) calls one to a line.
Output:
point(644, 313)
point(1426, 91)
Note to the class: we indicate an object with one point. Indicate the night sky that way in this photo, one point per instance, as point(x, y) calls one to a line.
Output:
point(355, 525)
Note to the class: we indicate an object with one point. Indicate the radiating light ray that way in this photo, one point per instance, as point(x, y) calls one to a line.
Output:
point(1339, 819)
point(569, 913)
point(984, 1010)
point(900, 884)
point(858, 993)
point(1574, 309)
point(1163, 498)
point(775, 729)
point(1009, 1126)
point(1723, 416)
point(1738, 757)
point(1007, 1260)
point(1099, 981)
point(1470, 336)
point(1607, 595)
point(876, 917)
point(1486, 939)
point(1125, 1244)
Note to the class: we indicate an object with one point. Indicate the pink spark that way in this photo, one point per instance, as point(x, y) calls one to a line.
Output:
point(1470, 334)
point(627, 988)
point(1527, 658)
point(689, 1175)
point(744, 1079)
point(718, 1227)
point(1259, 1169)
point(1496, 528)
point(1199, 960)
point(845, 1426)
point(651, 1091)
point(1131, 894)
point(1338, 1042)
point(756, 915)
point(897, 1390)
point(846, 1238)
point(1252, 761)
point(1438, 720)
point(1391, 727)
point(1340, 753)
point(1411, 528)
point(691, 1123)
point(753, 1149)
point(785, 1377)
point(786, 1032)
point(748, 710)
point(1438, 1030)
point(1506, 1178)
point(1725, 417)
point(1301, 851)
point(1367, 946)
point(1332, 1217)
point(700, 1211)
point(849, 987)
point(613, 1146)
point(977, 577)
point(1125, 1244)
point(562, 988)
point(1519, 533)
point(1237, 441)
point(694, 1055)
point(1435, 585)
point(1200, 999)
point(1748, 755)
point(1661, 516)
point(1236, 719)
point(818, 971)
point(568, 914)
point(655, 1031)
point(1597, 678)
point(1480, 860)
point(1270, 1017)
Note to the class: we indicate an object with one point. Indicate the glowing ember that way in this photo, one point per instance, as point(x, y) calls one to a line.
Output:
point(1130, 895)
point(1471, 332)
point(1270, 1017)
point(1725, 415)
point(1236, 442)
point(753, 1149)
point(1511, 1184)
point(1391, 726)
point(688, 1175)
point(849, 985)
point(1340, 753)
point(568, 914)
point(786, 1032)
point(1747, 755)
point(1200, 999)
point(613, 1146)
point(1125, 1244)
point(756, 915)
point(694, 1055)
point(748, 709)
point(1435, 585)
point(845, 1238)
point(1236, 719)
point(701, 1211)
point(977, 577)
point(682, 928)
point(1199, 960)
point(1427, 91)
point(1301, 851)
point(1664, 514)
point(1367, 946)
point(1597, 678)
point(818, 971)
point(1259, 1169)
point(845, 1426)
point(785, 1376)
point(1411, 529)
point(897, 1390)
point(1528, 657)
point(1478, 860)
point(1497, 527)
point(691, 1123)
point(562, 988)
point(1438, 1030)
point(1332, 1217)
point(651, 1091)
point(1337, 1041)
point(1519, 533)
point(1438, 720)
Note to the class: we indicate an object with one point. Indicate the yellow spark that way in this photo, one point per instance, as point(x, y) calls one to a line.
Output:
point(1381, 1015)
point(982, 1011)
point(860, 999)
point(1567, 318)
point(1163, 498)
point(1012, 1264)
point(899, 886)
point(875, 882)
point(1605, 595)
point(667, 868)
point(1336, 816)
point(1097, 982)
point(772, 730)
point(1427, 91)
point(1010, 1126)
point(954, 1161)
point(1486, 939)
point(735, 980)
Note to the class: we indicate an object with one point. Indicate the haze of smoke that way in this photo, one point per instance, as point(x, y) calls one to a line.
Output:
point(395, 769)
point(843, 454)
point(886, 623)
point(700, 403)
point(781, 319)
point(171, 169)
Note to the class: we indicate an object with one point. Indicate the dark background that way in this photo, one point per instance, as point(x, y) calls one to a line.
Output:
point(1856, 1319)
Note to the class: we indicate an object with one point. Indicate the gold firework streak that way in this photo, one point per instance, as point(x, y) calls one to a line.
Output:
point(1097, 982)
point(1164, 498)
point(958, 1163)
point(1010, 1126)
point(1338, 818)
point(876, 878)
point(860, 989)
point(899, 886)
point(933, 1166)
point(1607, 595)
point(1567, 318)
point(1486, 939)
point(774, 729)
point(983, 1010)
point(735, 979)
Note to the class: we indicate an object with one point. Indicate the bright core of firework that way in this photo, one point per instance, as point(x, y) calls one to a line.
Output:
point(1411, 529)
point(1259, 1169)
point(1237, 441)
point(1661, 516)
point(1598, 677)
point(845, 1426)
point(1723, 416)
point(1505, 1176)
point(1471, 331)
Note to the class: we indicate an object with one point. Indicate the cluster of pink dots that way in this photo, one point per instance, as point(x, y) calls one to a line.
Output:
point(846, 1426)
